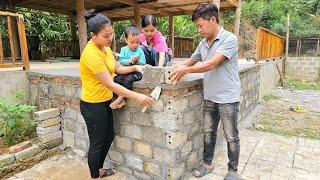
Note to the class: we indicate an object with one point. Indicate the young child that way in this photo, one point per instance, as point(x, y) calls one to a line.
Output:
point(131, 54)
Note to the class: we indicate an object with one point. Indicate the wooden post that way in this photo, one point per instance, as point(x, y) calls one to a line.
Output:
point(10, 34)
point(23, 44)
point(15, 34)
point(318, 48)
point(237, 19)
point(82, 27)
point(171, 33)
point(287, 44)
point(217, 3)
point(114, 43)
point(137, 16)
point(1, 49)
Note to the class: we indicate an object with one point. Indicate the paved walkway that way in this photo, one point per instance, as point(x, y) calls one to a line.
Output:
point(263, 156)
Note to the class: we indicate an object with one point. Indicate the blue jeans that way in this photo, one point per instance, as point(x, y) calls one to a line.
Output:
point(228, 115)
point(152, 57)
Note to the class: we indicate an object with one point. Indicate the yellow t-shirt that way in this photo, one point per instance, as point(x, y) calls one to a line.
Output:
point(93, 61)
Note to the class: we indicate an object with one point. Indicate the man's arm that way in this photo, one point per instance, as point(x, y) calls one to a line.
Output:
point(214, 62)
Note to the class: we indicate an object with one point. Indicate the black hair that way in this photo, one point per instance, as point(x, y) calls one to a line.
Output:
point(147, 20)
point(206, 11)
point(131, 30)
point(96, 21)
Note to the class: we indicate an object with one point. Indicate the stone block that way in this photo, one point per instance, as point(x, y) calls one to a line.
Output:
point(81, 143)
point(157, 106)
point(19, 147)
point(188, 117)
point(68, 138)
point(131, 131)
point(176, 105)
point(175, 139)
point(6, 159)
point(69, 125)
point(177, 172)
point(27, 153)
point(192, 161)
point(122, 116)
point(166, 156)
point(116, 156)
point(141, 176)
point(167, 73)
point(167, 121)
point(46, 114)
point(196, 99)
point(71, 114)
point(186, 148)
point(47, 130)
point(154, 136)
point(51, 137)
point(49, 122)
point(142, 149)
point(134, 162)
point(52, 144)
point(153, 75)
point(123, 143)
point(153, 168)
point(141, 119)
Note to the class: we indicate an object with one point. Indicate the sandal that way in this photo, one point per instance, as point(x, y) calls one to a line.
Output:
point(202, 170)
point(108, 172)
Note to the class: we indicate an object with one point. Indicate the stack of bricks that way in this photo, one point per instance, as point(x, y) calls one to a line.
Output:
point(49, 126)
point(165, 142)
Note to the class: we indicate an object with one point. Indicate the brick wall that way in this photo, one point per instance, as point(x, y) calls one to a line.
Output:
point(304, 68)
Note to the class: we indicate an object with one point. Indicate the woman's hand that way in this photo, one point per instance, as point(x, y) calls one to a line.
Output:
point(139, 69)
point(144, 100)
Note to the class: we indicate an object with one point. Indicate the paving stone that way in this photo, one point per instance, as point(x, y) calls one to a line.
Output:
point(19, 147)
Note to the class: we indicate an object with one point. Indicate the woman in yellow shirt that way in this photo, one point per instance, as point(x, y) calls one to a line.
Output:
point(97, 69)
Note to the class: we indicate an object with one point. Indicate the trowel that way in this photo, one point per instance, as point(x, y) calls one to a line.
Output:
point(155, 95)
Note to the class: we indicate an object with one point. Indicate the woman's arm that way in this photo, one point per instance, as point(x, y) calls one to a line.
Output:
point(127, 69)
point(107, 81)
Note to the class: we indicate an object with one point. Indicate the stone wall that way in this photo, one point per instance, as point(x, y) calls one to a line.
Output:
point(166, 142)
point(250, 84)
point(304, 68)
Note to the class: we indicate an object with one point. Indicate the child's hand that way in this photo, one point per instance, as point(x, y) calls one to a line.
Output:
point(139, 69)
point(134, 59)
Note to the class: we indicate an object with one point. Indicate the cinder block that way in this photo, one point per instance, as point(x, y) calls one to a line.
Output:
point(168, 79)
point(46, 114)
point(47, 130)
point(177, 172)
point(49, 122)
point(153, 75)
point(175, 139)
point(51, 137)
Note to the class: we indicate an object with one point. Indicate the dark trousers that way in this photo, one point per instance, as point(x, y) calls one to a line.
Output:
point(228, 115)
point(126, 80)
point(99, 121)
point(152, 57)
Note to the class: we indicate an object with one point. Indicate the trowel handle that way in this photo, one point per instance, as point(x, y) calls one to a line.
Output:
point(144, 109)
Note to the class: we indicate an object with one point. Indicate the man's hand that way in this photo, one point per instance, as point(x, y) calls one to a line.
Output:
point(178, 73)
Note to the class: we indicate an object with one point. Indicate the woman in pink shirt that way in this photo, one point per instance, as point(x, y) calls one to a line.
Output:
point(153, 43)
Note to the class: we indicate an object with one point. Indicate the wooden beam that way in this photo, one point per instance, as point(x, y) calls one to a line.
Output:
point(23, 43)
point(128, 2)
point(171, 33)
point(1, 49)
point(10, 34)
point(11, 65)
point(237, 19)
point(137, 16)
point(82, 27)
point(5, 13)
point(15, 32)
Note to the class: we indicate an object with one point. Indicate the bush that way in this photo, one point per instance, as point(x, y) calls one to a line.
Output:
point(15, 120)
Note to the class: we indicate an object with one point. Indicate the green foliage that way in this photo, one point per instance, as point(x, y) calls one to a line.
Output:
point(296, 84)
point(272, 14)
point(270, 97)
point(15, 121)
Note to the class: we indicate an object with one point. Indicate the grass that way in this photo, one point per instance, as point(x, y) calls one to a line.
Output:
point(270, 97)
point(298, 85)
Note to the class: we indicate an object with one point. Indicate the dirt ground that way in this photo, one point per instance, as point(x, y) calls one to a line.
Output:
point(274, 114)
